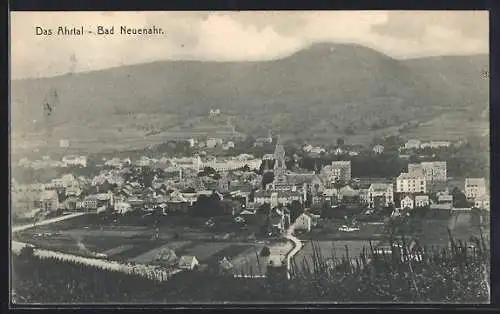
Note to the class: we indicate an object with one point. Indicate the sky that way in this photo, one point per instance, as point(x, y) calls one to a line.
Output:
point(234, 36)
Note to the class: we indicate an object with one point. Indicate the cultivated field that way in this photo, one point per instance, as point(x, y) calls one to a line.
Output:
point(132, 239)
point(330, 250)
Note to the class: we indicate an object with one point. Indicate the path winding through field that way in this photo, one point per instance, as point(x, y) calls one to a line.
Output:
point(296, 248)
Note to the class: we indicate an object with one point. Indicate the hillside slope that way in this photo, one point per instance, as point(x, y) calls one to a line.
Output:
point(325, 91)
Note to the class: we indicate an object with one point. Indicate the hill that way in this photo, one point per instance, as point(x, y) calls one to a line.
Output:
point(323, 92)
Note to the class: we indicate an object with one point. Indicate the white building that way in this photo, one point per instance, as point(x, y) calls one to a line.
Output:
point(49, 201)
point(338, 170)
point(69, 161)
point(122, 207)
point(412, 144)
point(475, 187)
point(212, 142)
point(277, 197)
point(482, 202)
point(380, 194)
point(407, 202)
point(192, 142)
point(436, 144)
point(432, 170)
point(411, 183)
point(421, 200)
point(188, 262)
point(303, 222)
point(98, 200)
point(378, 149)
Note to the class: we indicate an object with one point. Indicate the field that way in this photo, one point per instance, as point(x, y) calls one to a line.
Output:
point(327, 230)
point(132, 240)
point(330, 250)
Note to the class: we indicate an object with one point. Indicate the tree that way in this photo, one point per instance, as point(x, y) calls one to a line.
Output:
point(340, 142)
point(146, 177)
point(265, 252)
point(267, 178)
point(459, 198)
point(296, 209)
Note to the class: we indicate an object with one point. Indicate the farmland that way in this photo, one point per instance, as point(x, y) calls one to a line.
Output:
point(133, 240)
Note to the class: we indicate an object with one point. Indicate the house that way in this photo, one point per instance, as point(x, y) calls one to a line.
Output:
point(213, 142)
point(71, 203)
point(412, 144)
point(482, 202)
point(414, 182)
point(441, 206)
point(280, 219)
point(445, 198)
point(475, 187)
point(380, 195)
point(436, 144)
point(338, 171)
point(303, 222)
point(407, 202)
point(48, 201)
point(188, 262)
point(378, 149)
point(348, 194)
point(98, 200)
point(277, 197)
point(277, 260)
point(432, 170)
point(122, 207)
point(421, 200)
point(74, 161)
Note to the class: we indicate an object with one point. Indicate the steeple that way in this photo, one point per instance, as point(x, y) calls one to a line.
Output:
point(279, 163)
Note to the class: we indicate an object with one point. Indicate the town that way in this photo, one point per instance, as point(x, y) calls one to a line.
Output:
point(205, 203)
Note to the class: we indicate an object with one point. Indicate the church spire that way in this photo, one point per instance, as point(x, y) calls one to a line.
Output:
point(279, 157)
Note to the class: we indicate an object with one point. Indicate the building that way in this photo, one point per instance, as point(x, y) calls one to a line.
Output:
point(412, 144)
point(338, 171)
point(380, 195)
point(348, 194)
point(303, 222)
point(74, 161)
point(434, 171)
point(445, 199)
point(482, 202)
point(436, 144)
point(213, 142)
point(407, 202)
point(475, 187)
point(411, 183)
point(421, 201)
point(280, 219)
point(98, 200)
point(378, 149)
point(122, 207)
point(274, 198)
point(48, 201)
point(188, 262)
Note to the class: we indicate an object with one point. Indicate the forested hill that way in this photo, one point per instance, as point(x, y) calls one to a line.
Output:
point(326, 89)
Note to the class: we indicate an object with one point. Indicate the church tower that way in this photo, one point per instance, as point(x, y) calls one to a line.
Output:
point(279, 163)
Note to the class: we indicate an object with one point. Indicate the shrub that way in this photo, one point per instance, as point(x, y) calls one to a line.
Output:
point(265, 251)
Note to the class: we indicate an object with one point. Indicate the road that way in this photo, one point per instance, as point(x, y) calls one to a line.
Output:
point(289, 235)
point(46, 222)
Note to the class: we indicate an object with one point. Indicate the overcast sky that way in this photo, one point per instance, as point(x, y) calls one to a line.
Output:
point(226, 36)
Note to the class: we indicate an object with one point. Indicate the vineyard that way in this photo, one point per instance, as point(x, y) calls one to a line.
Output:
point(457, 274)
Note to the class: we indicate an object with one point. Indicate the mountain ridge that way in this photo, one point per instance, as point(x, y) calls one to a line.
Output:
point(334, 89)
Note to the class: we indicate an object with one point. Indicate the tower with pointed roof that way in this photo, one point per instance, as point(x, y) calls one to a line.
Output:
point(279, 162)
